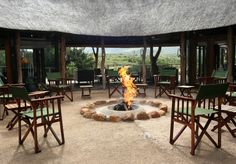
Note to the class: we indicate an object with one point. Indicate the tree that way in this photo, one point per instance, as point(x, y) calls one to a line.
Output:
point(153, 60)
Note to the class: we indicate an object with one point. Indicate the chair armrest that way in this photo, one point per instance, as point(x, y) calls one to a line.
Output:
point(205, 79)
point(47, 98)
point(181, 97)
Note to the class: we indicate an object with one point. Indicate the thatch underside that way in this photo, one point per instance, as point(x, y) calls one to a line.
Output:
point(117, 17)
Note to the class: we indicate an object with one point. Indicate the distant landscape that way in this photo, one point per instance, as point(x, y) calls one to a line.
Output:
point(116, 57)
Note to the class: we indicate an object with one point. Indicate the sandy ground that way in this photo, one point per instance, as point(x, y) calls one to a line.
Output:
point(89, 141)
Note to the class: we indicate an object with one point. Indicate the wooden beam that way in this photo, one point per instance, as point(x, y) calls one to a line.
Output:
point(62, 57)
point(231, 52)
point(18, 57)
point(7, 45)
point(182, 58)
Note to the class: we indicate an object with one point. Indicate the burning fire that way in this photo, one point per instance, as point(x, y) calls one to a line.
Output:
point(130, 89)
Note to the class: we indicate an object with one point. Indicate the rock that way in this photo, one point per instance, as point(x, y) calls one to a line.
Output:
point(99, 117)
point(156, 103)
point(142, 116)
point(83, 110)
point(91, 106)
point(164, 108)
point(114, 118)
point(101, 102)
point(161, 112)
point(154, 114)
point(89, 114)
point(128, 117)
point(142, 101)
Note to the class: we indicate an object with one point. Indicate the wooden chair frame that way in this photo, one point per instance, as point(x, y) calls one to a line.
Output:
point(188, 111)
point(217, 76)
point(166, 81)
point(56, 84)
point(44, 112)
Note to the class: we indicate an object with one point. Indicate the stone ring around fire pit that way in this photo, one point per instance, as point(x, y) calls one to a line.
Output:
point(143, 110)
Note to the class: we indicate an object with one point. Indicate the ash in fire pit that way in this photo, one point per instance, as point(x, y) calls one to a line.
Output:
point(123, 107)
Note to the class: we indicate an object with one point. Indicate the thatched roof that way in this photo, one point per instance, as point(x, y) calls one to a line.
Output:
point(116, 17)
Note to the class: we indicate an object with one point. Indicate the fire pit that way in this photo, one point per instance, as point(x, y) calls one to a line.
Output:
point(125, 109)
point(141, 110)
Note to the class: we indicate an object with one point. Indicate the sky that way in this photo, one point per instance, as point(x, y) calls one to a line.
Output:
point(165, 50)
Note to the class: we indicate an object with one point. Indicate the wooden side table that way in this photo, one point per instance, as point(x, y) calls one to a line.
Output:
point(185, 90)
point(86, 87)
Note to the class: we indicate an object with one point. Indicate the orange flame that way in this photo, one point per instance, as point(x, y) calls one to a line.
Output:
point(130, 89)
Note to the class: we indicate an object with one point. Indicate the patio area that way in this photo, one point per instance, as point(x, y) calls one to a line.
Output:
point(89, 141)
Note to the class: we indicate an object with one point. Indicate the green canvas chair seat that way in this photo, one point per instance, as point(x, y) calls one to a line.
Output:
point(48, 112)
point(206, 104)
point(164, 82)
point(45, 112)
point(6, 96)
point(199, 111)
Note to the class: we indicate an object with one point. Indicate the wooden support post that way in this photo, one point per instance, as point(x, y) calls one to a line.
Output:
point(62, 57)
point(18, 57)
point(96, 56)
point(143, 62)
point(231, 53)
point(103, 66)
point(56, 55)
point(7, 45)
point(182, 58)
point(210, 62)
point(192, 64)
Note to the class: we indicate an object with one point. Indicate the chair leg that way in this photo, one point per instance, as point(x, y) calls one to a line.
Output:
point(36, 144)
point(192, 127)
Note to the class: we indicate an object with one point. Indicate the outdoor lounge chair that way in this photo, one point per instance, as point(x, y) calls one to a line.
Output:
point(217, 76)
point(113, 83)
point(43, 112)
point(56, 84)
point(230, 111)
point(188, 111)
point(6, 96)
point(166, 81)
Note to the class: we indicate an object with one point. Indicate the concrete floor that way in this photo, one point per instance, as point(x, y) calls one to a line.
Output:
point(89, 141)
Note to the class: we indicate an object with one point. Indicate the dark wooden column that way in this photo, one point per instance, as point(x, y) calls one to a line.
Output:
point(7, 45)
point(103, 65)
point(38, 56)
point(231, 52)
point(192, 64)
point(183, 58)
point(56, 55)
point(18, 57)
point(62, 56)
point(211, 60)
point(144, 71)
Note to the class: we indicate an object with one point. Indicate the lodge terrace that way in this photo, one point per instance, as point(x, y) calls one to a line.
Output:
point(204, 31)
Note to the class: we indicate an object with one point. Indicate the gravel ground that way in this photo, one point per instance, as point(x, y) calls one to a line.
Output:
point(89, 141)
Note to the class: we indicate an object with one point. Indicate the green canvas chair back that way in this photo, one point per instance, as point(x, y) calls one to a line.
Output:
point(1, 82)
point(167, 72)
point(20, 93)
point(112, 72)
point(211, 91)
point(219, 74)
point(53, 75)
